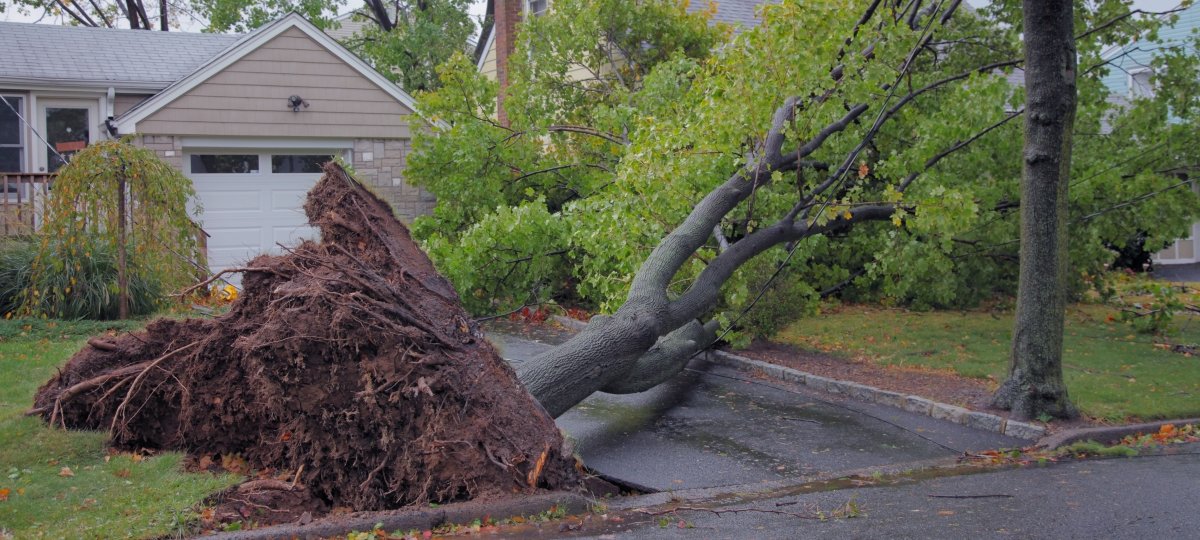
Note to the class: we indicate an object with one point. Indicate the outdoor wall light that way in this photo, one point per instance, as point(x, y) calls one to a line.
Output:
point(295, 102)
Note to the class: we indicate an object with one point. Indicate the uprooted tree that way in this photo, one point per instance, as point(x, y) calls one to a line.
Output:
point(351, 362)
point(891, 174)
point(348, 362)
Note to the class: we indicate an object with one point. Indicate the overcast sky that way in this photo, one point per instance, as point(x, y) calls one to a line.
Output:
point(13, 14)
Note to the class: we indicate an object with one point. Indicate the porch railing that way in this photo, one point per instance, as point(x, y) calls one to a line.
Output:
point(21, 197)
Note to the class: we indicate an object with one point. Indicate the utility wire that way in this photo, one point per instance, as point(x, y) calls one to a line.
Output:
point(33, 129)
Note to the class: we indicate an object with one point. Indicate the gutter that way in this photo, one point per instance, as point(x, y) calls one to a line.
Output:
point(132, 87)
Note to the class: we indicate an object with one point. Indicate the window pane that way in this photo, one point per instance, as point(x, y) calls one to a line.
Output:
point(224, 163)
point(10, 124)
point(1141, 85)
point(299, 164)
point(10, 159)
point(67, 133)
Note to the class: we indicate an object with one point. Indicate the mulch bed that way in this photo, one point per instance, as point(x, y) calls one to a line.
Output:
point(936, 385)
point(940, 386)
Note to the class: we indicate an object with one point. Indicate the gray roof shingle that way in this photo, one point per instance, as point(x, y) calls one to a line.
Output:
point(739, 14)
point(67, 54)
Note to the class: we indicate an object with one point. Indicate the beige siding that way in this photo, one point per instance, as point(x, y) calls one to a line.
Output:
point(124, 102)
point(249, 98)
point(489, 63)
point(347, 29)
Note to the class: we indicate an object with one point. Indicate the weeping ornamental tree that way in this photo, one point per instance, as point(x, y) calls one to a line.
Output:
point(882, 163)
point(115, 233)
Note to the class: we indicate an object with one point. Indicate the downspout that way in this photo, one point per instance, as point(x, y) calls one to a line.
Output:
point(110, 113)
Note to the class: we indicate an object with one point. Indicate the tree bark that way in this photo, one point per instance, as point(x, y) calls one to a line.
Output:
point(122, 259)
point(1035, 387)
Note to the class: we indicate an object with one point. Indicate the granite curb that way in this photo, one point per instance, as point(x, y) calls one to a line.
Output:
point(422, 519)
point(1107, 434)
point(574, 325)
point(914, 404)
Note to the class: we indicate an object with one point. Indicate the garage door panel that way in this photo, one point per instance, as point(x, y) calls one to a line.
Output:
point(290, 236)
point(291, 200)
point(219, 258)
point(242, 238)
point(224, 201)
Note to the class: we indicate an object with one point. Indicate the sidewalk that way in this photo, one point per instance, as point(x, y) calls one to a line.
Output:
point(714, 425)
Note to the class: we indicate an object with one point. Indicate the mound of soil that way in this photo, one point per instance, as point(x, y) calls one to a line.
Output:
point(349, 360)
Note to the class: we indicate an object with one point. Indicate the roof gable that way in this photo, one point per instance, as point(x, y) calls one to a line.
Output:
point(291, 26)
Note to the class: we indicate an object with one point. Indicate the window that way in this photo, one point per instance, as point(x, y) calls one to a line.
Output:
point(12, 148)
point(1140, 85)
point(538, 7)
point(299, 163)
point(224, 164)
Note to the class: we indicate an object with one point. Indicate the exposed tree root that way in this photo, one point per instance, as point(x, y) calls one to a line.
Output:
point(348, 361)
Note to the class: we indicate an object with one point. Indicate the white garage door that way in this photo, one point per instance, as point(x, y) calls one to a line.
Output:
point(253, 202)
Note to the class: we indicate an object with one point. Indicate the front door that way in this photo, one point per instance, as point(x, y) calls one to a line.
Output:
point(68, 126)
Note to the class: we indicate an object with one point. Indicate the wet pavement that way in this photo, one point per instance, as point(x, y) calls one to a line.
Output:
point(715, 426)
point(1150, 496)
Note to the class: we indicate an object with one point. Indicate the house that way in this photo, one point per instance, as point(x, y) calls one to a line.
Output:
point(248, 118)
point(1131, 76)
point(498, 37)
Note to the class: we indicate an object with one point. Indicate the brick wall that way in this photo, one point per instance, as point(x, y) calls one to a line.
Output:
point(168, 147)
point(380, 164)
point(507, 15)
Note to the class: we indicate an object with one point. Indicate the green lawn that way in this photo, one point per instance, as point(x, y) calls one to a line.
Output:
point(102, 496)
point(1112, 372)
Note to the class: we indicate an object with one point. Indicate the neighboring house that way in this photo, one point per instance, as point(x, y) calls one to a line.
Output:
point(248, 118)
point(498, 38)
point(1131, 75)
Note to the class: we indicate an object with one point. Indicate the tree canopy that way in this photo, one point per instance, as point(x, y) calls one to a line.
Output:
point(405, 40)
point(566, 202)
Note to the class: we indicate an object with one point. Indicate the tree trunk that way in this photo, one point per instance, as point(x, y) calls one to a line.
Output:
point(122, 257)
point(1035, 385)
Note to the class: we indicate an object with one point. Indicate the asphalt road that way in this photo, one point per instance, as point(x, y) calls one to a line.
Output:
point(1142, 497)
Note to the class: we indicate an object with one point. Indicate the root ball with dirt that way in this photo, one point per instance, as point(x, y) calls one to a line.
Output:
point(349, 360)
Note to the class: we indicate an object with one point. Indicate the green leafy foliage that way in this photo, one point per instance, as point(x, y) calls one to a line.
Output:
point(73, 274)
point(420, 36)
point(649, 138)
point(246, 15)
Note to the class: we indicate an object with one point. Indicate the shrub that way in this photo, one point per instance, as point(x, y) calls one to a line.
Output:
point(16, 256)
point(86, 286)
point(74, 272)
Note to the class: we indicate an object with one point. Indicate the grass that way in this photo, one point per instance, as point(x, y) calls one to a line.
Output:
point(103, 496)
point(1113, 373)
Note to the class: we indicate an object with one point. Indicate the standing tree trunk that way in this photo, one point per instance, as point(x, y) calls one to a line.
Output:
point(1035, 381)
point(122, 258)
